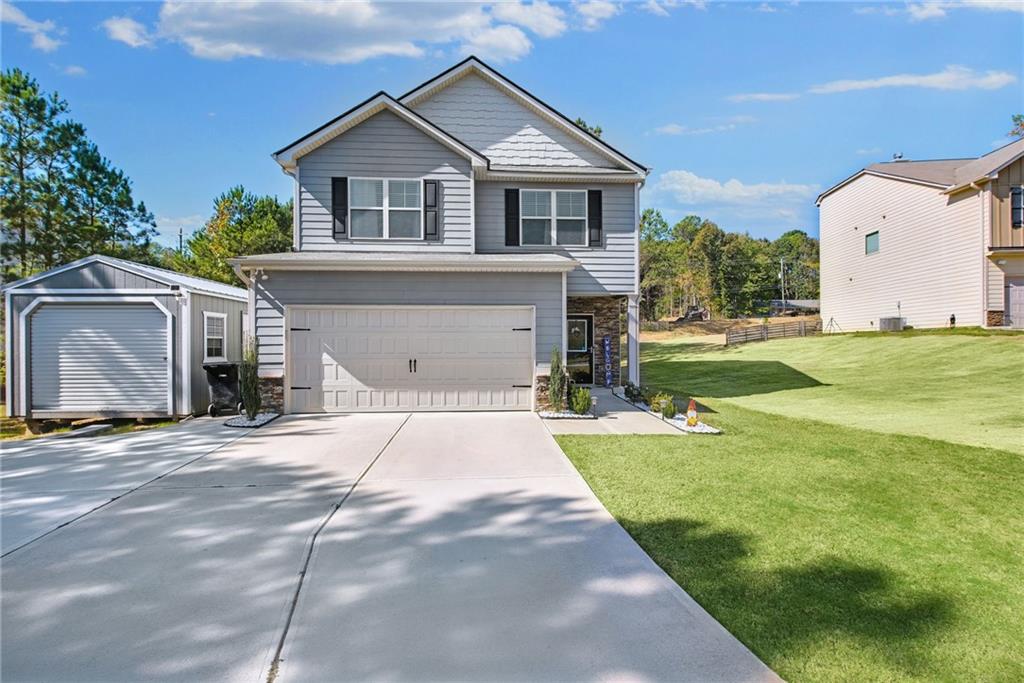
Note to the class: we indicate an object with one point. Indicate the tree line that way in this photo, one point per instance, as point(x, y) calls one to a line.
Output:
point(694, 264)
point(62, 200)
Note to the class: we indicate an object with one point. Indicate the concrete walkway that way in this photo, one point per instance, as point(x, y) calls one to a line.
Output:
point(466, 547)
point(614, 416)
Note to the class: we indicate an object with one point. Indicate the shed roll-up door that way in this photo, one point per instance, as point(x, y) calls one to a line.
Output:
point(99, 358)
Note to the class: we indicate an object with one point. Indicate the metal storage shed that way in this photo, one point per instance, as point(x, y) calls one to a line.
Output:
point(107, 337)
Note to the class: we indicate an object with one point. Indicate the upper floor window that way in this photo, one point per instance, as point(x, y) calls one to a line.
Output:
point(553, 217)
point(382, 208)
point(214, 334)
point(871, 242)
point(1017, 207)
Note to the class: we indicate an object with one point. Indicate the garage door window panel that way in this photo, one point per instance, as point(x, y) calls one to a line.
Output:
point(215, 332)
point(382, 208)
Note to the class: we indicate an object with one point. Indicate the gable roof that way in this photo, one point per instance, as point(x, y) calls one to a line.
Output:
point(474, 65)
point(948, 175)
point(161, 275)
point(287, 155)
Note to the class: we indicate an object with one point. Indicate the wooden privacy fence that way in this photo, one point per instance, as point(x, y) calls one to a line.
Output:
point(797, 328)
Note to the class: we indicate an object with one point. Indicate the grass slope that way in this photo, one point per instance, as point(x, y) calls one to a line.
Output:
point(844, 547)
point(833, 553)
point(959, 388)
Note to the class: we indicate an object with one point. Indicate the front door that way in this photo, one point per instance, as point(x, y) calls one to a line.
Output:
point(579, 348)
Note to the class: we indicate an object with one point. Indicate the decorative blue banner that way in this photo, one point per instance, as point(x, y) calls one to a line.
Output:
point(607, 361)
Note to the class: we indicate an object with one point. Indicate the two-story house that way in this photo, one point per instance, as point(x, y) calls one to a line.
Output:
point(926, 241)
point(445, 242)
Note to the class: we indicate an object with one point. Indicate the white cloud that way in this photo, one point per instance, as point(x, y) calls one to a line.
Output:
point(729, 124)
point(594, 12)
point(544, 19)
point(42, 32)
point(128, 31)
point(923, 11)
point(690, 189)
point(767, 8)
point(869, 151)
point(74, 70)
point(661, 7)
point(763, 97)
point(501, 44)
point(950, 78)
point(347, 32)
point(167, 227)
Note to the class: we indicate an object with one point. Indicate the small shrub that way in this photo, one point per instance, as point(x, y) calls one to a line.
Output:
point(248, 377)
point(579, 400)
point(634, 394)
point(668, 409)
point(557, 381)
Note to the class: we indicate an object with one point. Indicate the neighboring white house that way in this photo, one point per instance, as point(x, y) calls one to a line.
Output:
point(445, 242)
point(925, 241)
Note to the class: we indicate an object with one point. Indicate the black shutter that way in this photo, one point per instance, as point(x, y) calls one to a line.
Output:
point(431, 231)
point(511, 217)
point(594, 217)
point(339, 207)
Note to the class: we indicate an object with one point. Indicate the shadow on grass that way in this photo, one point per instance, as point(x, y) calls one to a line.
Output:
point(726, 378)
point(780, 612)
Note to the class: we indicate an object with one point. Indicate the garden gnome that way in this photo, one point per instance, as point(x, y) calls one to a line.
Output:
point(691, 414)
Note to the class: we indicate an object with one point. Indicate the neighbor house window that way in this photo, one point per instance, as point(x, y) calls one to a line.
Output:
point(871, 242)
point(553, 217)
point(1017, 207)
point(214, 332)
point(385, 209)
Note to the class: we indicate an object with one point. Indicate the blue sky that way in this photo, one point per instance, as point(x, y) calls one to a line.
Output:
point(745, 111)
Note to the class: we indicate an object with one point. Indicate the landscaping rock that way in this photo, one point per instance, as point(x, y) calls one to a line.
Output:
point(260, 420)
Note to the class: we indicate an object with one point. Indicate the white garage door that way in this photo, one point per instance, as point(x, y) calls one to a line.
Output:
point(1015, 302)
point(91, 358)
point(358, 359)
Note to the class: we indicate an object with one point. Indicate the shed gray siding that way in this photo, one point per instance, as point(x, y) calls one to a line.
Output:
point(20, 301)
point(97, 276)
point(610, 269)
point(543, 290)
point(384, 146)
point(232, 342)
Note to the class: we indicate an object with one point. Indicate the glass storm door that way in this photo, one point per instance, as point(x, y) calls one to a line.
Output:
point(579, 348)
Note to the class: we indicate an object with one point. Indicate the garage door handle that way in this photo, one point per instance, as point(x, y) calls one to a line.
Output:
point(410, 365)
point(414, 365)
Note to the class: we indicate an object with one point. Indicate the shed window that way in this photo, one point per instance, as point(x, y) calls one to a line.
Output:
point(553, 217)
point(1017, 207)
point(214, 325)
point(385, 209)
point(871, 242)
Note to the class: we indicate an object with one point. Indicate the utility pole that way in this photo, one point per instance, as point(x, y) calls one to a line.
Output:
point(181, 242)
point(782, 276)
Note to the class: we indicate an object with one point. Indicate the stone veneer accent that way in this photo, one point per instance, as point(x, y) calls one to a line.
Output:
point(272, 393)
point(607, 322)
point(995, 319)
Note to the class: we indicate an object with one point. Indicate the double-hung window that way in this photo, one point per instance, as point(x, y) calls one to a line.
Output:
point(1017, 207)
point(385, 208)
point(214, 334)
point(553, 217)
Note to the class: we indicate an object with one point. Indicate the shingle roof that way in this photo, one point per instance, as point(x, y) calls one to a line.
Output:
point(948, 174)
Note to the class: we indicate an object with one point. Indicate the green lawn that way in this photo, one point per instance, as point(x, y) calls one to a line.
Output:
point(959, 388)
point(833, 551)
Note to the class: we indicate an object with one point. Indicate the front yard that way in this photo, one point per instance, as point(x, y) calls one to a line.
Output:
point(847, 546)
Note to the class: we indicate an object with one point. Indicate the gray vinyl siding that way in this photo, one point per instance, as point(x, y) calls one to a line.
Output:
point(384, 146)
point(20, 301)
point(543, 290)
point(610, 269)
point(97, 276)
point(232, 342)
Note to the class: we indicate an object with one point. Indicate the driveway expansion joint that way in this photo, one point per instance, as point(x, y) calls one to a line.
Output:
point(275, 664)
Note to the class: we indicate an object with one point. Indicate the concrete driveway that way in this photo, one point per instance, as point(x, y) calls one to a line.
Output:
point(465, 547)
point(50, 481)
